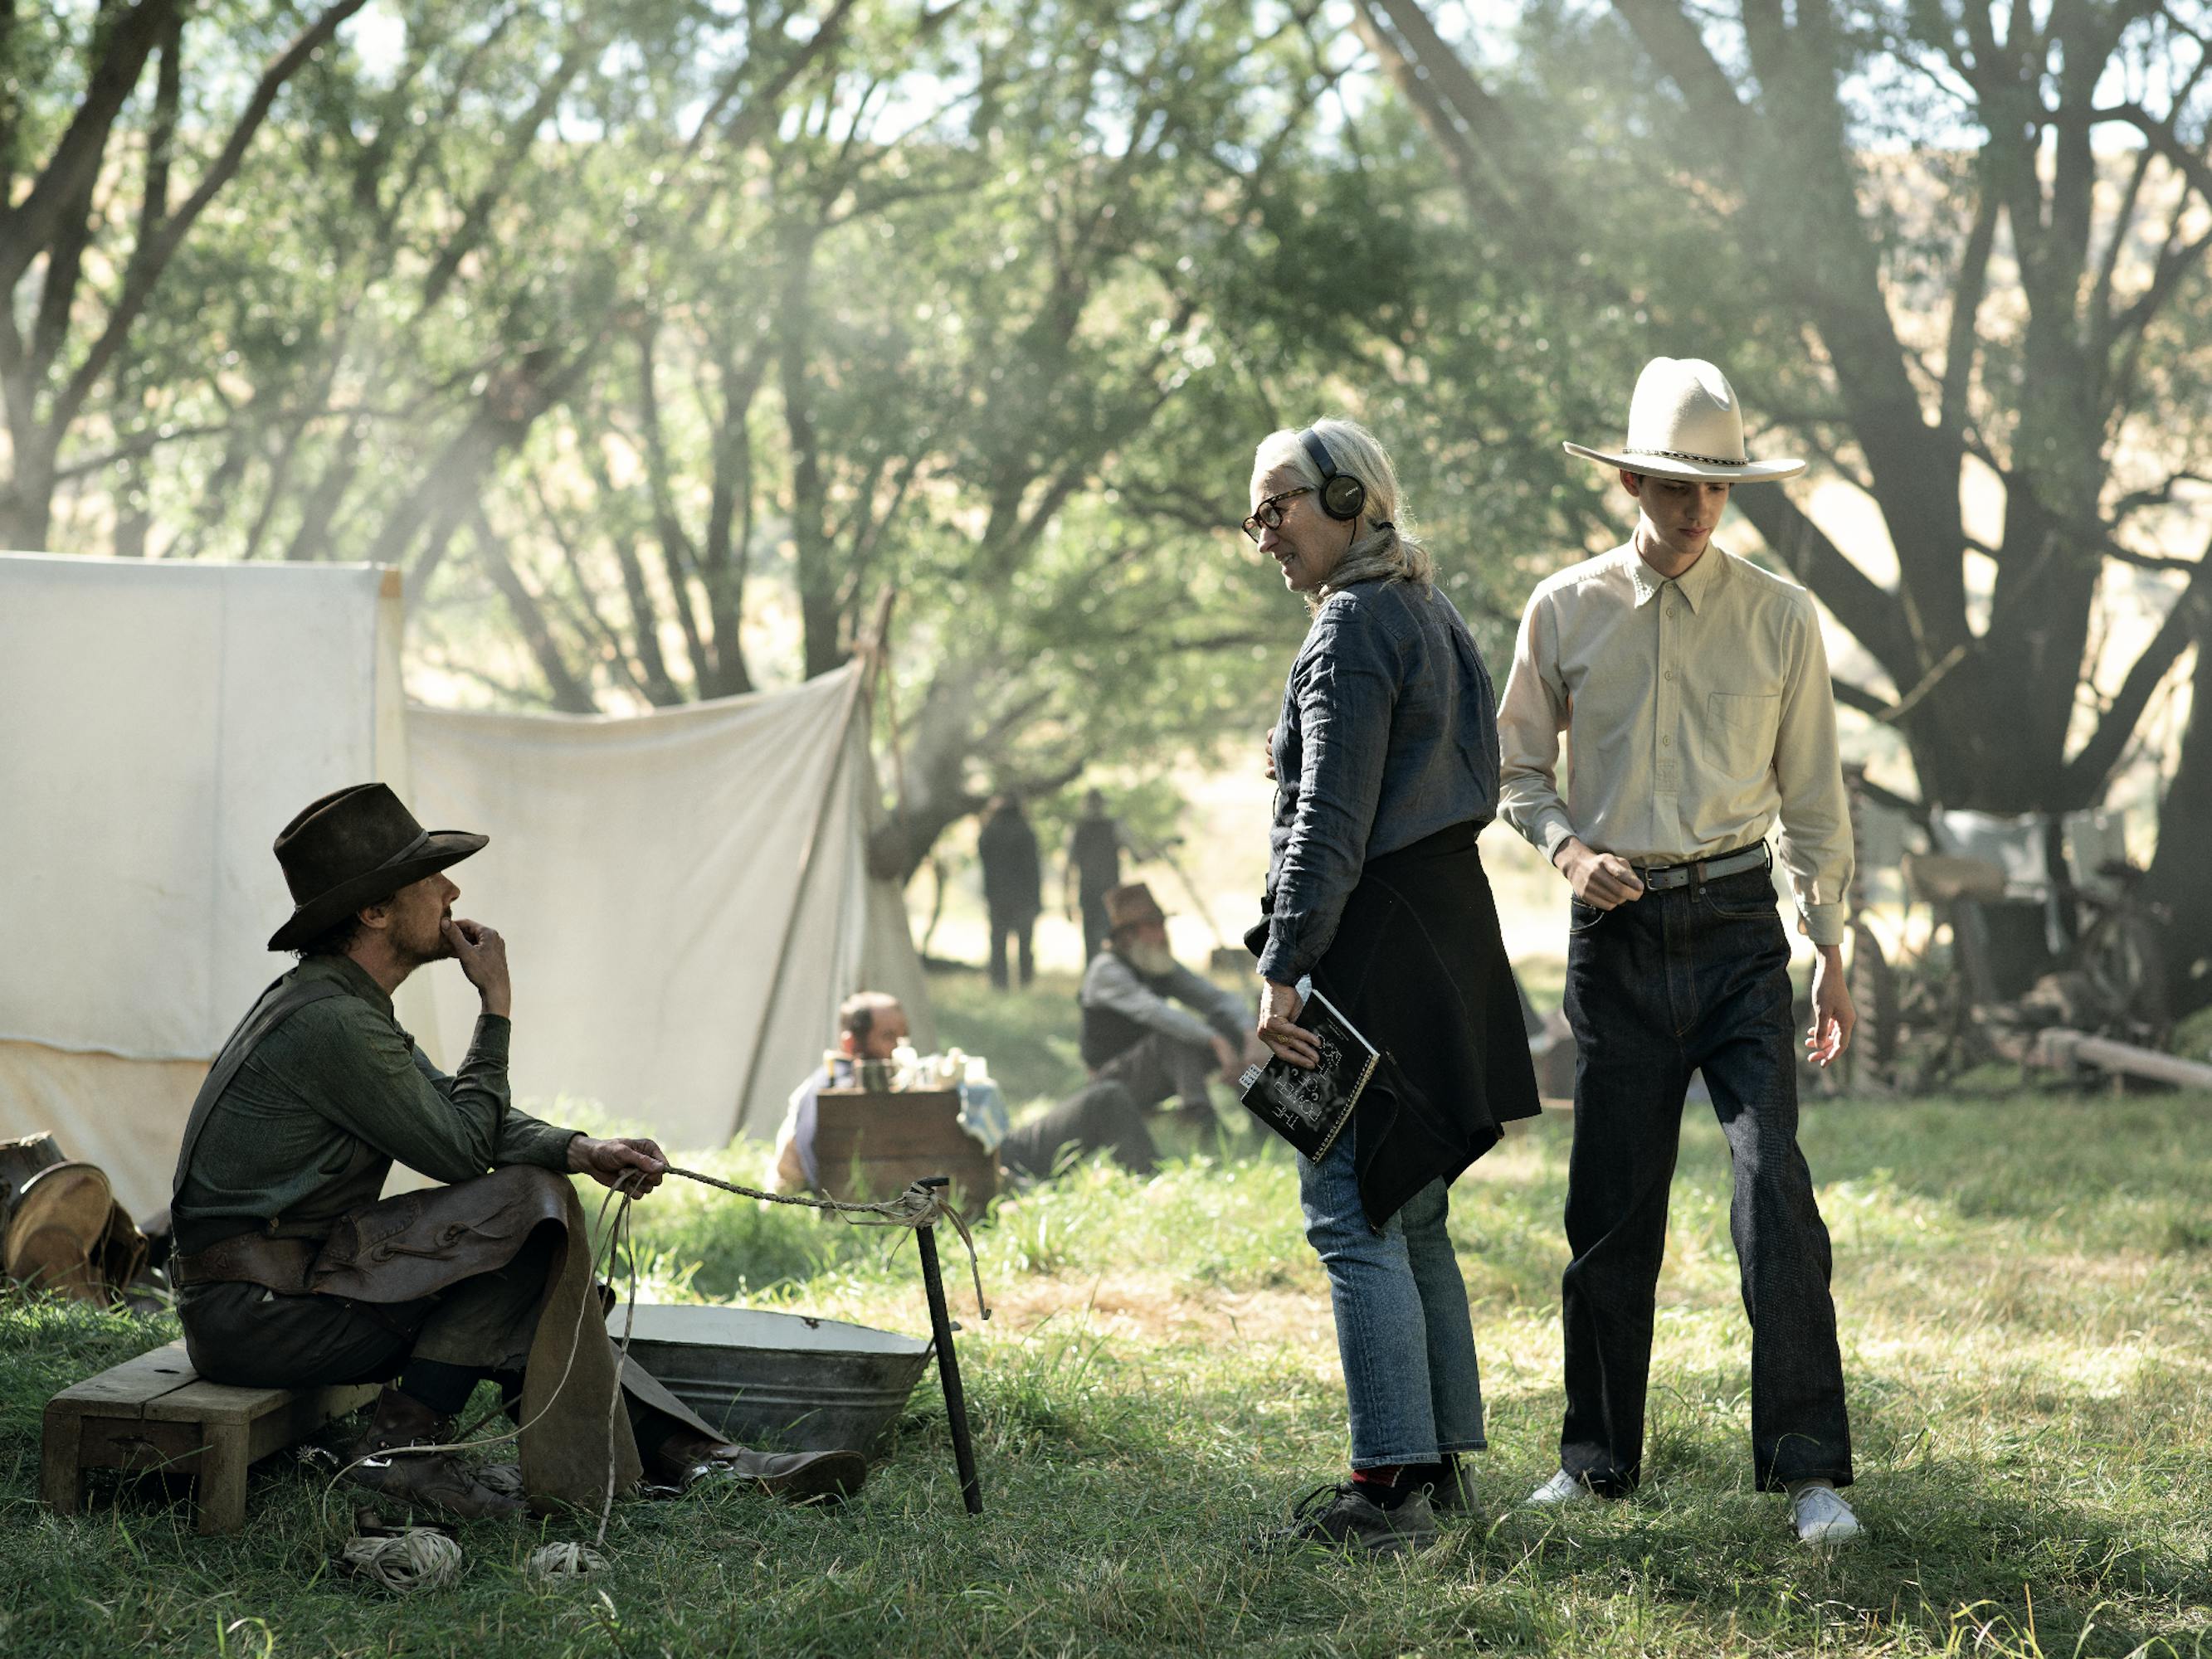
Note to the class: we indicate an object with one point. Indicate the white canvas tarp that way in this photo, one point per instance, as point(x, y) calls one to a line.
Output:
point(683, 893)
point(161, 722)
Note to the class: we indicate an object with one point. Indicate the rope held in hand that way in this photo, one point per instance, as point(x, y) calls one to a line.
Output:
point(420, 1558)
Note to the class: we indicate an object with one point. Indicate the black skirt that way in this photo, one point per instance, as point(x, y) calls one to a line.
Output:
point(1419, 965)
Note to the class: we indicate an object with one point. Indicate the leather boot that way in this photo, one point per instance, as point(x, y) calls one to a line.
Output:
point(437, 1480)
point(687, 1458)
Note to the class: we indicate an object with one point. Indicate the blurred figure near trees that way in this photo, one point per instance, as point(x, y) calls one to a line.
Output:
point(1014, 883)
point(1094, 864)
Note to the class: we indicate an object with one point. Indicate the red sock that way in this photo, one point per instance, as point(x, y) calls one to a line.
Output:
point(1380, 1485)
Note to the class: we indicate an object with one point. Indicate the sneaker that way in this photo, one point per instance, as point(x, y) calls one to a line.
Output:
point(1821, 1517)
point(1451, 1487)
point(1340, 1516)
point(1562, 1488)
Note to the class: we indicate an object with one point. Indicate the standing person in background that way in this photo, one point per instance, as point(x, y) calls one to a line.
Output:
point(1386, 765)
point(1094, 864)
point(1692, 688)
point(1014, 883)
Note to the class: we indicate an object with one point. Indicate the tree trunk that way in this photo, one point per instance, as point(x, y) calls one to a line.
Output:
point(810, 506)
point(2181, 878)
point(26, 502)
point(937, 795)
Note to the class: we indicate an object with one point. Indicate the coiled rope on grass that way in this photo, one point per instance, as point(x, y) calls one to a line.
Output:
point(413, 1559)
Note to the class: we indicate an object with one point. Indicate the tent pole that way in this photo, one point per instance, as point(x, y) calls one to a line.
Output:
point(799, 897)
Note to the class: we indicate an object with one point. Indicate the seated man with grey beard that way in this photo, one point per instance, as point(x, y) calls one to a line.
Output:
point(1134, 1034)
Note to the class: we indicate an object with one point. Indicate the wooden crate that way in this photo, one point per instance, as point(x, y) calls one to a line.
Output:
point(155, 1412)
point(870, 1146)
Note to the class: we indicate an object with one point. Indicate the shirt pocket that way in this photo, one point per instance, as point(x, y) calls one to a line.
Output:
point(1741, 728)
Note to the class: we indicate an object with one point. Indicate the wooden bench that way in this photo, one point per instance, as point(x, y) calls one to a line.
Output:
point(155, 1412)
point(870, 1146)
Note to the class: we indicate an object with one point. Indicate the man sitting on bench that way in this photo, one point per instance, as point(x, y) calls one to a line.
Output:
point(290, 1274)
point(1134, 1035)
point(871, 1024)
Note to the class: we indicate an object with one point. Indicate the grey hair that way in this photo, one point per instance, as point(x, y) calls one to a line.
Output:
point(1385, 545)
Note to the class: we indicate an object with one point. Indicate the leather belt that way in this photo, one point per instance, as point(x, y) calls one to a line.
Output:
point(276, 1264)
point(1664, 878)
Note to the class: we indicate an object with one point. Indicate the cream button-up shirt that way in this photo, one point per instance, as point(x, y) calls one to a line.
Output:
point(1696, 711)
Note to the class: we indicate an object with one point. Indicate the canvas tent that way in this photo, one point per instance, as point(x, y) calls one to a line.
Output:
point(684, 892)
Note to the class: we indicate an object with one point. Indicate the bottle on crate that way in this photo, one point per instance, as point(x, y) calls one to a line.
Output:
point(906, 1067)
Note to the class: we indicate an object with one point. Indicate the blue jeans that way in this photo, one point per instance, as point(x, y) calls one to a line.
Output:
point(1402, 1328)
point(1692, 979)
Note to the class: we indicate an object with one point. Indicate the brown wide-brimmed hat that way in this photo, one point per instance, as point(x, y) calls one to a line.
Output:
point(55, 1229)
point(1130, 904)
point(352, 848)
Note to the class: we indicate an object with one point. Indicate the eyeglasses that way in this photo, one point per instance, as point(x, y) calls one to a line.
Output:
point(1269, 513)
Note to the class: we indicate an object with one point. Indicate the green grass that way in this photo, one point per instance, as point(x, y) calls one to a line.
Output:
point(2026, 1293)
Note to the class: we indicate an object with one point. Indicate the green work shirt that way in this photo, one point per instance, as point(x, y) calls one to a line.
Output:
point(316, 1117)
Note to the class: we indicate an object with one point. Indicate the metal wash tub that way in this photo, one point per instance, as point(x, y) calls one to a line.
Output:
point(779, 1381)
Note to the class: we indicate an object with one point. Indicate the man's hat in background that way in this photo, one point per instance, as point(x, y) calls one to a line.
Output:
point(352, 848)
point(1130, 904)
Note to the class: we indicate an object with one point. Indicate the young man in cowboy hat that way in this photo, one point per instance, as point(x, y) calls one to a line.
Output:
point(1132, 1031)
point(1693, 688)
point(290, 1274)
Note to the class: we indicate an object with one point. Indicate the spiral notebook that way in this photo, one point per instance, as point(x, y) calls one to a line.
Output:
point(1310, 1109)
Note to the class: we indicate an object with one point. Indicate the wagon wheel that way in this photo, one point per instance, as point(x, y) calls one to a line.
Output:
point(1873, 985)
point(2125, 961)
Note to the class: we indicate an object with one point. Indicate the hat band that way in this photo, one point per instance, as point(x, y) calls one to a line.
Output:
point(1684, 455)
point(420, 841)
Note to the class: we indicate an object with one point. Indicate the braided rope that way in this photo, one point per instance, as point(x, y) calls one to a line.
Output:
point(556, 1563)
point(413, 1559)
point(1684, 455)
point(468, 1439)
point(419, 1558)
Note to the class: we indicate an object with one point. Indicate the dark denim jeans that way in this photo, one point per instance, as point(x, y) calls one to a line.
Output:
point(1695, 979)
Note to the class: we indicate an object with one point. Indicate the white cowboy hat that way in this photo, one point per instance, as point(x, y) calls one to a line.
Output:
point(1683, 423)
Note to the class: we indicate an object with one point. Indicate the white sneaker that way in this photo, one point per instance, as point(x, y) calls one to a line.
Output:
point(1561, 1488)
point(1821, 1517)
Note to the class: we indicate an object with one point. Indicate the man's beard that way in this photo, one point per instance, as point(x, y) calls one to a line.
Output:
point(433, 946)
point(1147, 958)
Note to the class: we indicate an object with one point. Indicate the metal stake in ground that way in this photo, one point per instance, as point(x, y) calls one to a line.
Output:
point(948, 1363)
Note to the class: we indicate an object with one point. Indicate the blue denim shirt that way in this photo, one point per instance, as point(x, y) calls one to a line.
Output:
point(1388, 733)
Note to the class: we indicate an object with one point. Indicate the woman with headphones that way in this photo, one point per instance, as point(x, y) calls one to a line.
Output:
point(1386, 766)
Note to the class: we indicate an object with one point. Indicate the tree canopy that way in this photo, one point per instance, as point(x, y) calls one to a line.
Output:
point(655, 339)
